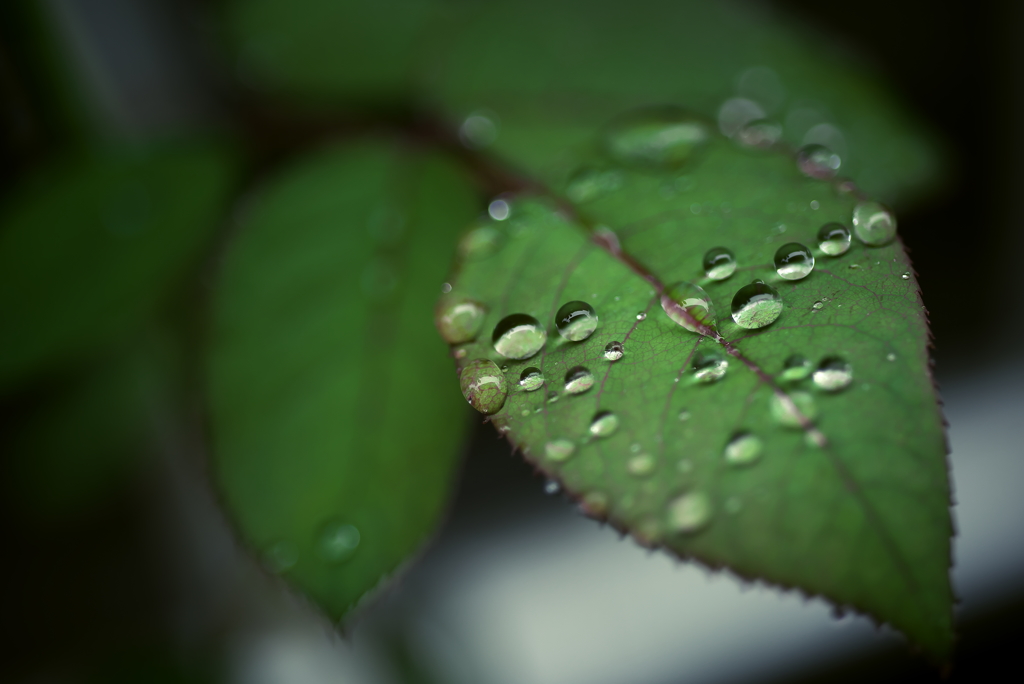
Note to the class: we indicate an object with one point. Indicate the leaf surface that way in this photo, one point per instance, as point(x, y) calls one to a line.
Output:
point(334, 418)
point(842, 494)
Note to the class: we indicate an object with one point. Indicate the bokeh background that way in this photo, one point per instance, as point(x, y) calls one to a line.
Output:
point(140, 579)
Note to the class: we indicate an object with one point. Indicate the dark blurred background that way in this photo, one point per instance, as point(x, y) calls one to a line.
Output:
point(144, 583)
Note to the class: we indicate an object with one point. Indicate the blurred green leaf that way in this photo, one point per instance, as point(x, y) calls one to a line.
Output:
point(91, 246)
point(837, 490)
point(335, 421)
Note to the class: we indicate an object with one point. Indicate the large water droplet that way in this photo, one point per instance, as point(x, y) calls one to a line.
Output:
point(796, 367)
point(531, 379)
point(484, 386)
point(589, 183)
point(280, 556)
point(518, 336)
point(743, 449)
point(656, 138)
point(576, 321)
point(689, 513)
point(719, 263)
point(874, 224)
point(338, 541)
point(709, 368)
point(833, 374)
point(793, 261)
point(460, 320)
point(756, 305)
point(604, 424)
point(480, 242)
point(817, 161)
point(578, 380)
point(689, 306)
point(559, 450)
point(787, 412)
point(478, 130)
point(641, 465)
point(834, 239)
point(614, 351)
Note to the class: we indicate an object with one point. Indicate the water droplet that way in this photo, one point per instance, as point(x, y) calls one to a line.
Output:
point(874, 224)
point(834, 239)
point(499, 210)
point(684, 416)
point(479, 129)
point(460, 320)
point(743, 449)
point(461, 353)
point(735, 113)
point(281, 556)
point(604, 424)
point(833, 374)
point(719, 263)
point(525, 413)
point(576, 321)
point(756, 305)
point(594, 504)
point(817, 305)
point(659, 138)
point(708, 368)
point(551, 487)
point(338, 541)
point(817, 161)
point(518, 336)
point(760, 134)
point(446, 288)
point(531, 379)
point(793, 261)
point(484, 386)
point(578, 380)
point(589, 183)
point(796, 367)
point(641, 316)
point(552, 397)
point(787, 412)
point(480, 242)
point(689, 513)
point(559, 450)
point(890, 357)
point(613, 351)
point(906, 276)
point(641, 465)
point(815, 205)
point(689, 306)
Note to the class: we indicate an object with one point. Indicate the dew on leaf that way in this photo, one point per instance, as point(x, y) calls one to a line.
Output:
point(446, 288)
point(551, 487)
point(480, 242)
point(338, 541)
point(743, 449)
point(589, 183)
point(906, 276)
point(594, 504)
point(559, 450)
point(478, 130)
point(499, 210)
point(756, 305)
point(684, 416)
point(614, 351)
point(578, 380)
point(659, 138)
point(890, 357)
point(833, 374)
point(817, 305)
point(689, 306)
point(795, 367)
point(794, 261)
point(760, 134)
point(518, 336)
point(531, 379)
point(689, 513)
point(461, 353)
point(604, 424)
point(817, 161)
point(641, 465)
point(735, 113)
point(719, 263)
point(460, 320)
point(552, 397)
point(280, 556)
point(641, 316)
point(708, 368)
point(787, 411)
point(484, 386)
point(874, 224)
point(834, 239)
point(576, 321)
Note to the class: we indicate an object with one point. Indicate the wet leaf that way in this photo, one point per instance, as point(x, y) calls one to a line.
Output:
point(829, 477)
point(335, 415)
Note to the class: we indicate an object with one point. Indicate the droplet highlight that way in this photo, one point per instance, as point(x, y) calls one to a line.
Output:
point(689, 513)
point(817, 161)
point(833, 374)
point(338, 541)
point(604, 424)
point(796, 367)
point(756, 305)
point(578, 380)
point(484, 386)
point(576, 321)
point(690, 306)
point(559, 450)
point(499, 210)
point(834, 239)
point(614, 351)
point(531, 379)
point(708, 368)
point(588, 184)
point(874, 224)
point(460, 320)
point(641, 465)
point(518, 336)
point(794, 261)
point(743, 449)
point(719, 263)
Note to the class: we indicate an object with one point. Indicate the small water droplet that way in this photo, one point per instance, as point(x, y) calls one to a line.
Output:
point(518, 336)
point(614, 351)
point(817, 161)
point(641, 465)
point(460, 320)
point(733, 505)
point(480, 242)
point(787, 411)
point(689, 306)
point(484, 386)
point(743, 449)
point(890, 357)
point(338, 541)
point(559, 450)
point(796, 367)
point(578, 380)
point(655, 138)
point(446, 288)
point(815, 205)
point(793, 261)
point(833, 374)
point(280, 556)
point(641, 316)
point(817, 305)
point(684, 416)
point(461, 353)
point(736, 113)
point(708, 368)
point(874, 224)
point(635, 447)
point(478, 130)
point(551, 487)
point(576, 321)
point(719, 263)
point(504, 367)
point(604, 424)
point(906, 276)
point(689, 513)
point(552, 397)
point(594, 504)
point(760, 134)
point(834, 239)
point(525, 413)
point(531, 379)
point(756, 305)
point(853, 266)
point(589, 183)
point(499, 210)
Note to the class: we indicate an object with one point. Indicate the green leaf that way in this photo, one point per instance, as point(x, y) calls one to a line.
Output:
point(92, 245)
point(549, 73)
point(335, 421)
point(840, 493)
